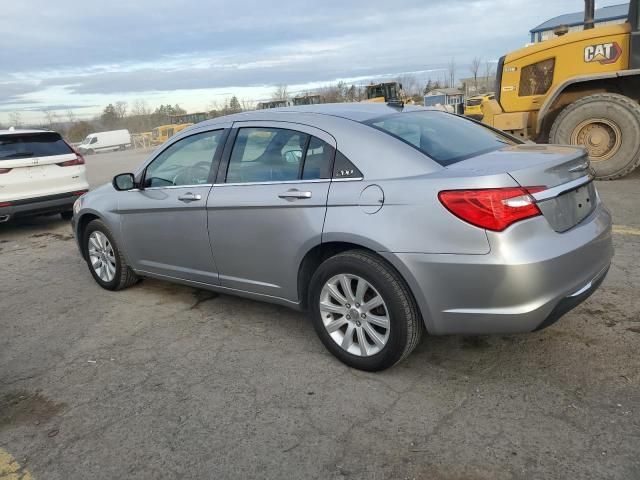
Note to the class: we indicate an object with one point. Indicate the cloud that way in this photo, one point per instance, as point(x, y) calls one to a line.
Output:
point(83, 53)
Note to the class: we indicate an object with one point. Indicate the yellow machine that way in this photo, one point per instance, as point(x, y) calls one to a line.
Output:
point(581, 88)
point(161, 134)
point(386, 92)
point(473, 105)
point(308, 99)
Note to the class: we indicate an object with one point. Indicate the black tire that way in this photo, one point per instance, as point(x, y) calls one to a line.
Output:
point(67, 214)
point(622, 112)
point(406, 326)
point(124, 276)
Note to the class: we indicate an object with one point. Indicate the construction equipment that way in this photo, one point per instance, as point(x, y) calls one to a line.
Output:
point(161, 134)
point(273, 104)
point(308, 99)
point(473, 105)
point(386, 92)
point(581, 88)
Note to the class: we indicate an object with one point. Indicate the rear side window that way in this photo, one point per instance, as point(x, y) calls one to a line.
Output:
point(445, 138)
point(32, 145)
point(264, 154)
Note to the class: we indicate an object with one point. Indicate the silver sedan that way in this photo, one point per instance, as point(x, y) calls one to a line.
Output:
point(382, 222)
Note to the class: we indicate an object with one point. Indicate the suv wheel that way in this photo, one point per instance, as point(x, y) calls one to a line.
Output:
point(106, 262)
point(363, 311)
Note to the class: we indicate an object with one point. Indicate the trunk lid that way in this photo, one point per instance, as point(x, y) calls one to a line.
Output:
point(568, 196)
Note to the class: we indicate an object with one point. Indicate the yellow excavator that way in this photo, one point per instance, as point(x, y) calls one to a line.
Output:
point(580, 88)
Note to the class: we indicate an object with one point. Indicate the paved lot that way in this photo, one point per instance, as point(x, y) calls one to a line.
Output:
point(164, 381)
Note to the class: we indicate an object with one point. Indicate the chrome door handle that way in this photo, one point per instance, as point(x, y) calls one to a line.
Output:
point(189, 197)
point(295, 194)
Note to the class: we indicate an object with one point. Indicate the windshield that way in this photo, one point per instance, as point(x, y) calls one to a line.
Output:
point(444, 137)
point(29, 145)
point(86, 140)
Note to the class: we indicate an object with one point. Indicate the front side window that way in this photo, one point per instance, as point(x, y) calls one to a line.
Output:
point(443, 137)
point(186, 162)
point(94, 140)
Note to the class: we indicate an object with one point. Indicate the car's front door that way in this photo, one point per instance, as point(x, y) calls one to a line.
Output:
point(164, 222)
point(268, 205)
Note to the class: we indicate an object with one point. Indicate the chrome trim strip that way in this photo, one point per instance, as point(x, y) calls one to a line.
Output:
point(560, 189)
point(284, 182)
point(355, 179)
point(170, 187)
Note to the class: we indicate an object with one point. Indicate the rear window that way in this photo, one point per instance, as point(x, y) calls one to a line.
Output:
point(444, 137)
point(32, 145)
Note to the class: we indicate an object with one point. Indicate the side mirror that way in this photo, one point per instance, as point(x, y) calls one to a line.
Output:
point(124, 181)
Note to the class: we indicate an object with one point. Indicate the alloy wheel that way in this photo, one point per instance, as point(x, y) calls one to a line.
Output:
point(101, 256)
point(355, 315)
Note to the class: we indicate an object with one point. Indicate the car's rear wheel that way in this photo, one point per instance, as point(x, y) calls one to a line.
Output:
point(106, 263)
point(363, 311)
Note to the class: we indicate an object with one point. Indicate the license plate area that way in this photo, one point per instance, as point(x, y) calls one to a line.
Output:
point(567, 210)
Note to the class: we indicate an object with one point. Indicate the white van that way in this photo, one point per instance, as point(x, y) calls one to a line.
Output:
point(105, 141)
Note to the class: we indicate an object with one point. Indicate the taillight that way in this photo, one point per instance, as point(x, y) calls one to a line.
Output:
point(79, 160)
point(494, 208)
point(4, 170)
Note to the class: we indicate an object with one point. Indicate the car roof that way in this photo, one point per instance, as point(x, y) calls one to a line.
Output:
point(358, 112)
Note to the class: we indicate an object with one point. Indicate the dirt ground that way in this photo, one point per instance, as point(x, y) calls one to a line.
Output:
point(164, 381)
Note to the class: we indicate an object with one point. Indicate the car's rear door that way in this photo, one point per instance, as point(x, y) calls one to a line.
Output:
point(164, 223)
point(268, 205)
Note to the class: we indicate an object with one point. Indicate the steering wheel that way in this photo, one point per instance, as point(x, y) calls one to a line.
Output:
point(197, 174)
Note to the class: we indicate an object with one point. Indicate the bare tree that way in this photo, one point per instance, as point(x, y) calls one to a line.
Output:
point(121, 109)
point(51, 118)
point(475, 68)
point(247, 104)
point(15, 119)
point(71, 117)
point(281, 92)
point(140, 107)
point(451, 73)
point(409, 84)
point(489, 72)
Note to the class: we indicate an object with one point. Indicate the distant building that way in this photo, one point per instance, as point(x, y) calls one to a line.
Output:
point(575, 21)
point(485, 84)
point(451, 99)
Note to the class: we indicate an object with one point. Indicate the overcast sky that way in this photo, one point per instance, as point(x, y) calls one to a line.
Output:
point(83, 54)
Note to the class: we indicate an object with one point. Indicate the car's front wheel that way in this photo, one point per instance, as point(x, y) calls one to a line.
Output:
point(363, 311)
point(106, 263)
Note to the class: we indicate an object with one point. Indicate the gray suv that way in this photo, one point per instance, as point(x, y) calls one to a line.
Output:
point(381, 221)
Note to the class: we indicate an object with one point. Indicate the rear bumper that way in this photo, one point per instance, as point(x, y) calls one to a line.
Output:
point(41, 205)
point(531, 277)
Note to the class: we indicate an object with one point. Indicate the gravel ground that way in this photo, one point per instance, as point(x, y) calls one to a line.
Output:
point(165, 381)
